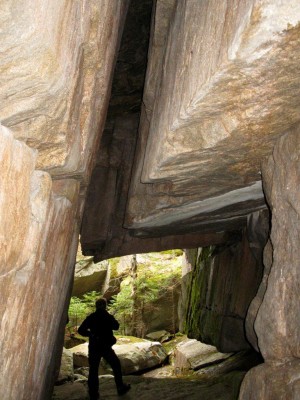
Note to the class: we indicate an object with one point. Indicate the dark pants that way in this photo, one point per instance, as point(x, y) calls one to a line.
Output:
point(95, 354)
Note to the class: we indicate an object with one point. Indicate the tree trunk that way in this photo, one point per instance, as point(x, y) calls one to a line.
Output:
point(133, 274)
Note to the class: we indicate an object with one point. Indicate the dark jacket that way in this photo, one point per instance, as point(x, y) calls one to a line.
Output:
point(99, 327)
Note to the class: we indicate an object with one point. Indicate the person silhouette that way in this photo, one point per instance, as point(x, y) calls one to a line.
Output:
point(98, 327)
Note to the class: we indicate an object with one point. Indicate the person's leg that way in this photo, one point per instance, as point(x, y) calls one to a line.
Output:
point(110, 356)
point(93, 380)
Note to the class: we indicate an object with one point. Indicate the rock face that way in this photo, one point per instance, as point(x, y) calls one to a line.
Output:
point(225, 70)
point(89, 277)
point(269, 381)
point(104, 277)
point(165, 314)
point(221, 286)
point(201, 135)
point(276, 324)
point(56, 71)
point(103, 233)
point(57, 61)
point(179, 164)
point(37, 270)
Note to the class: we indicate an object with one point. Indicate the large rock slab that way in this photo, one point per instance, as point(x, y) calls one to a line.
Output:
point(214, 113)
point(140, 356)
point(56, 67)
point(103, 233)
point(277, 322)
point(134, 357)
point(221, 286)
point(89, 276)
point(56, 64)
point(281, 181)
point(158, 336)
point(192, 354)
point(270, 381)
point(38, 214)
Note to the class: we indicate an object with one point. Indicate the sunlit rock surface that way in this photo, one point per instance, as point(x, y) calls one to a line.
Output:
point(88, 276)
point(134, 357)
point(38, 252)
point(227, 89)
point(222, 86)
point(56, 70)
point(192, 354)
point(104, 277)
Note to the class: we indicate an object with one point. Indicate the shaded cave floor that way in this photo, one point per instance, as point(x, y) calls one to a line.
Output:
point(158, 385)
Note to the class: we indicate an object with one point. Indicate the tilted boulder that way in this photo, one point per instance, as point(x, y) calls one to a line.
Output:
point(192, 354)
point(89, 276)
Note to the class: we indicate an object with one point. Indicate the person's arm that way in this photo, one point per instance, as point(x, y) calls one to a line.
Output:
point(84, 329)
point(114, 323)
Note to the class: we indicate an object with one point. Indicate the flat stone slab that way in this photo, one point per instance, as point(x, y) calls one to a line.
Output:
point(134, 357)
point(192, 354)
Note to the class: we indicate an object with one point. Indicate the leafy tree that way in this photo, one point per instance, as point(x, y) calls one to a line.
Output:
point(157, 276)
point(89, 300)
point(122, 307)
point(80, 308)
point(77, 312)
point(139, 297)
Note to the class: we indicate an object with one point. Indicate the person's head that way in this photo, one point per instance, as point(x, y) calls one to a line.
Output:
point(101, 304)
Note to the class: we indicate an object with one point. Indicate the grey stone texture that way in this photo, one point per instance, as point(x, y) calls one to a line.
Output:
point(179, 163)
point(277, 322)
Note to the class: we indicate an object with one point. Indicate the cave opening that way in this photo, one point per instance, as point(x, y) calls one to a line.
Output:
point(152, 296)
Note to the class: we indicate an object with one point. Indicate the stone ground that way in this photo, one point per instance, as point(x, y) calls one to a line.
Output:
point(158, 384)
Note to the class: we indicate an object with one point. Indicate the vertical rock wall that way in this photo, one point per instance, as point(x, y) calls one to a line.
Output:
point(223, 282)
point(56, 67)
point(37, 251)
point(277, 319)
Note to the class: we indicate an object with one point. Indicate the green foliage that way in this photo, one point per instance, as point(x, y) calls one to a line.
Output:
point(133, 307)
point(173, 252)
point(157, 275)
point(76, 313)
point(80, 308)
point(113, 263)
point(121, 307)
point(89, 300)
point(197, 316)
